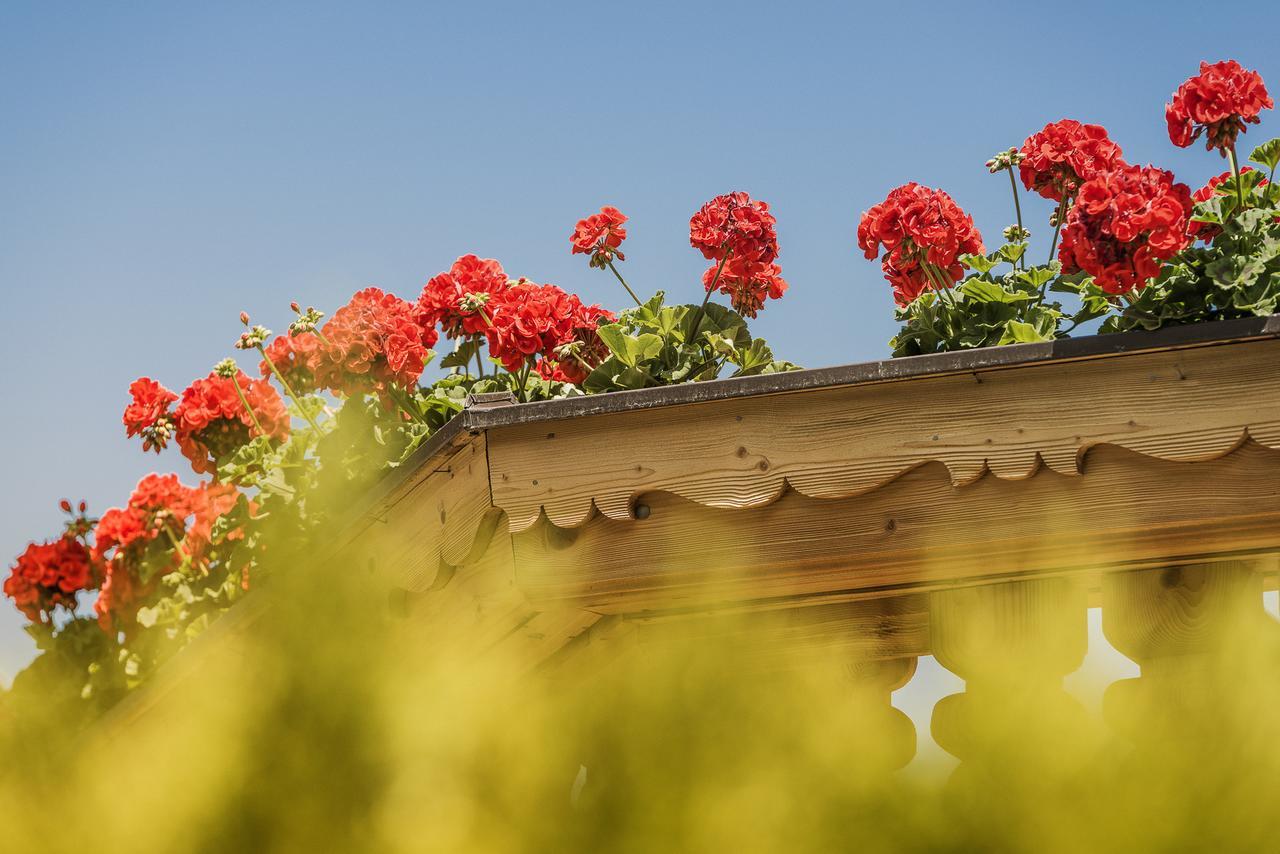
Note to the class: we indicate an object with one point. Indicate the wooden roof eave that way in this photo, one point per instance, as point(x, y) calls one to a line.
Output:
point(828, 444)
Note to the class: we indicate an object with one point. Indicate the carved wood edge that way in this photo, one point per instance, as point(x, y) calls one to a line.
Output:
point(1178, 406)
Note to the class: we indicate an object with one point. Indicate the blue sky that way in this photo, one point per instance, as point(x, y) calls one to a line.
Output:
point(163, 166)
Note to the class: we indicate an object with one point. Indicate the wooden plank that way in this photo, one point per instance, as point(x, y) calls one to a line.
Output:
point(919, 532)
point(439, 522)
point(1179, 405)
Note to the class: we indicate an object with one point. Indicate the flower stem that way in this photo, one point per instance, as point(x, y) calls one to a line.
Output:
point(1235, 172)
point(697, 316)
point(615, 272)
point(1017, 209)
point(1063, 207)
point(405, 404)
point(247, 407)
point(289, 390)
point(523, 378)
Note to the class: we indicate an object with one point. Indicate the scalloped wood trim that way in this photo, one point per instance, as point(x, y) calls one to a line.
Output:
point(921, 532)
point(1177, 405)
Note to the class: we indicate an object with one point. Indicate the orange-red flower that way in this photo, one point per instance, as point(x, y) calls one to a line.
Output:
point(295, 357)
point(373, 342)
point(600, 236)
point(148, 414)
point(456, 300)
point(1123, 225)
point(735, 224)
point(49, 574)
point(530, 320)
point(571, 360)
point(1065, 154)
point(164, 523)
point(924, 233)
point(212, 421)
point(747, 283)
point(1218, 102)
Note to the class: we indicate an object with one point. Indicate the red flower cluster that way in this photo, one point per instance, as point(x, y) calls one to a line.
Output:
point(456, 300)
point(211, 420)
point(572, 360)
point(295, 357)
point(49, 574)
point(1123, 225)
point(735, 224)
point(1207, 231)
point(153, 528)
point(1218, 102)
point(148, 415)
point(1065, 154)
point(532, 320)
point(924, 233)
point(600, 236)
point(747, 283)
point(373, 342)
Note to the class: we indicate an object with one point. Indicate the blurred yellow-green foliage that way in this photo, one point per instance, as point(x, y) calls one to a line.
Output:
point(313, 720)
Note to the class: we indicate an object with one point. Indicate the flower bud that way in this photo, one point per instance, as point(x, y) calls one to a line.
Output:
point(244, 318)
point(65, 505)
point(294, 305)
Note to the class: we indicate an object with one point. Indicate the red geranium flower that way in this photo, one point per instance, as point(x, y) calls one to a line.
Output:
point(211, 420)
point(1123, 225)
point(748, 283)
point(572, 360)
point(456, 300)
point(1218, 102)
point(148, 413)
point(924, 233)
point(295, 357)
point(373, 342)
point(164, 523)
point(1064, 155)
point(530, 320)
point(735, 224)
point(600, 236)
point(49, 574)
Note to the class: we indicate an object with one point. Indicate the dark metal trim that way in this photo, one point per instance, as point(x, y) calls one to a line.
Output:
point(889, 370)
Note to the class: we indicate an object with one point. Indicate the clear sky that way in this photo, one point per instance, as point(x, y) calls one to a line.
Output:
point(163, 166)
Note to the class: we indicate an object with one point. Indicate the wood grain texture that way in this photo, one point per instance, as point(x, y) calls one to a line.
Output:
point(1012, 643)
point(437, 523)
point(1178, 405)
point(920, 532)
point(1208, 652)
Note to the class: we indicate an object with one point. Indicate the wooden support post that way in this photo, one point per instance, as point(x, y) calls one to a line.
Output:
point(1012, 643)
point(1206, 646)
point(890, 734)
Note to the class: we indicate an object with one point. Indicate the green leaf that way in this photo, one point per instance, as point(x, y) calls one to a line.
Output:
point(1010, 252)
point(1017, 332)
point(1267, 154)
point(463, 355)
point(980, 263)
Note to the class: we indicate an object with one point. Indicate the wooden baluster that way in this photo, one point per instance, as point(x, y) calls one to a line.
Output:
point(1207, 649)
point(1012, 643)
point(890, 736)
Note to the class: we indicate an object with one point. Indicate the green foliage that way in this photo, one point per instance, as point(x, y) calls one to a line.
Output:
point(657, 344)
point(1237, 275)
point(987, 309)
